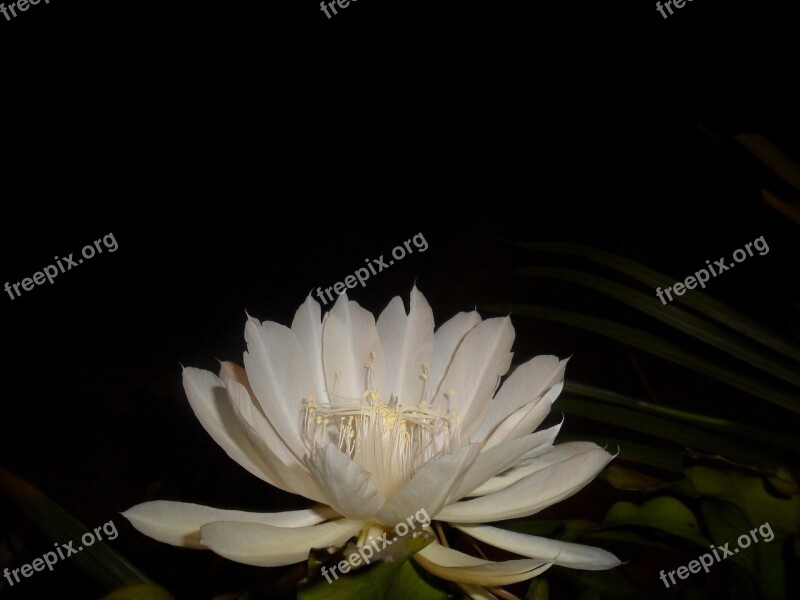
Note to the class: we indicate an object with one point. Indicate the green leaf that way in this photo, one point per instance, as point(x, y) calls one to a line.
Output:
point(630, 480)
point(659, 458)
point(543, 528)
point(106, 566)
point(538, 590)
point(760, 560)
point(658, 347)
point(662, 428)
point(698, 301)
point(144, 591)
point(393, 575)
point(664, 513)
point(612, 583)
point(688, 323)
point(723, 425)
point(751, 496)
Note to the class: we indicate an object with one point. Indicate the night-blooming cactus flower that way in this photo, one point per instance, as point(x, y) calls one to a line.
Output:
point(377, 421)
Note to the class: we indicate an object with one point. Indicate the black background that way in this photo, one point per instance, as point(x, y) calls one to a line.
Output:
point(244, 156)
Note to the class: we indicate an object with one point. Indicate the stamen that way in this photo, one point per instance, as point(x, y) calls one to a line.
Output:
point(390, 440)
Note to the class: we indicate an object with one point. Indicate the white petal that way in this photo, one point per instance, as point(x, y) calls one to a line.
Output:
point(230, 370)
point(408, 343)
point(445, 341)
point(529, 382)
point(209, 401)
point(268, 546)
point(430, 486)
point(574, 556)
point(530, 464)
point(349, 341)
point(462, 568)
point(346, 484)
point(179, 523)
point(307, 326)
point(291, 474)
point(276, 367)
point(498, 459)
point(533, 493)
point(481, 359)
point(525, 419)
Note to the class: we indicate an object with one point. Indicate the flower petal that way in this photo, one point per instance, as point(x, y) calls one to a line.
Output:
point(408, 343)
point(574, 556)
point(349, 342)
point(269, 546)
point(347, 485)
point(209, 401)
point(430, 486)
point(530, 464)
point(179, 523)
point(525, 419)
point(276, 367)
point(533, 493)
point(498, 459)
point(291, 474)
point(528, 383)
point(307, 326)
point(462, 568)
point(445, 341)
point(480, 360)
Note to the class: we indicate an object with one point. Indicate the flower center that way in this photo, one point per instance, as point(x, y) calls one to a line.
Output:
point(391, 440)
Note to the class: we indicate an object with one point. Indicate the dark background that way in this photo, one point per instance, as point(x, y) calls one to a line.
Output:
point(94, 412)
point(243, 156)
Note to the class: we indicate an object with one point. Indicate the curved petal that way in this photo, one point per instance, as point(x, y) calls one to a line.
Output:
point(430, 486)
point(480, 360)
point(278, 373)
point(533, 493)
point(292, 474)
point(525, 419)
point(408, 343)
point(307, 326)
point(574, 556)
point(527, 384)
point(350, 342)
point(179, 523)
point(209, 401)
point(498, 459)
point(445, 341)
point(462, 568)
point(529, 464)
point(268, 546)
point(346, 484)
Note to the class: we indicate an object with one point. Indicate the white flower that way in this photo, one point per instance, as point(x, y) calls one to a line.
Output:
point(378, 421)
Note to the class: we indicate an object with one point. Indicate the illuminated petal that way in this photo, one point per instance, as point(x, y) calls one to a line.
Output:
point(445, 341)
point(481, 359)
point(526, 386)
point(278, 372)
point(347, 485)
point(349, 343)
point(533, 493)
point(179, 523)
point(408, 343)
point(209, 401)
point(575, 556)
point(430, 486)
point(269, 546)
point(462, 568)
point(498, 459)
